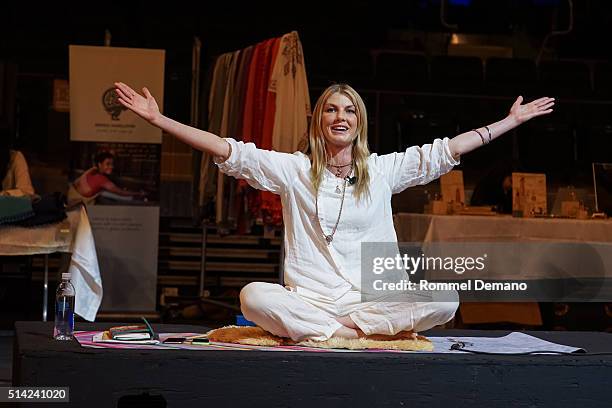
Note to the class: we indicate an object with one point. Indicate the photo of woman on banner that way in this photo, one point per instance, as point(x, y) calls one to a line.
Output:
point(96, 182)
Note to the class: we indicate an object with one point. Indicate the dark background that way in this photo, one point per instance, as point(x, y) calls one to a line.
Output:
point(395, 53)
point(338, 40)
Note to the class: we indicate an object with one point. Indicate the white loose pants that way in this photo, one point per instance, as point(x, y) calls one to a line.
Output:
point(286, 313)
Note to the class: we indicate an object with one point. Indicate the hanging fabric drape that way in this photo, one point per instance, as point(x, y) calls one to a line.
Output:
point(214, 115)
point(288, 82)
point(260, 95)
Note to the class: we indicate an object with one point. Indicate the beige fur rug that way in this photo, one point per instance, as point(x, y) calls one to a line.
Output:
point(256, 336)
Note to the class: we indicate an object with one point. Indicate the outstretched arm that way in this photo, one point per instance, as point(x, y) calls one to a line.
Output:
point(113, 188)
point(468, 141)
point(422, 164)
point(146, 107)
point(263, 169)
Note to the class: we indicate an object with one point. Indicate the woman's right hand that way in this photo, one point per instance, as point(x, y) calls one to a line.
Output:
point(145, 107)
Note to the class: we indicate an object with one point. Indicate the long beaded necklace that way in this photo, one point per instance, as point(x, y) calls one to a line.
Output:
point(329, 238)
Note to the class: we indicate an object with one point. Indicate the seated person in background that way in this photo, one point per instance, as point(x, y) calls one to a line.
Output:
point(495, 188)
point(96, 180)
point(14, 172)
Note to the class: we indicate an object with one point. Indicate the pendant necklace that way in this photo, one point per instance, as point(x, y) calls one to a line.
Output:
point(329, 238)
point(339, 173)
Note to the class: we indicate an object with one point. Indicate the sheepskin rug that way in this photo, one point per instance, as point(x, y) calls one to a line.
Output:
point(256, 336)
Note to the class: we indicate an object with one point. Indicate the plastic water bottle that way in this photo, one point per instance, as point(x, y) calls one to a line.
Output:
point(64, 309)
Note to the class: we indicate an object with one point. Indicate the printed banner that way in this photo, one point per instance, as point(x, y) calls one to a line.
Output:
point(95, 113)
point(115, 169)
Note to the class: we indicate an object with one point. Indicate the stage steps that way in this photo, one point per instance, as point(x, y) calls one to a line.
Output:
point(230, 262)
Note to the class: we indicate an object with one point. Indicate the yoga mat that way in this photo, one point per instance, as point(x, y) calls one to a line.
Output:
point(515, 342)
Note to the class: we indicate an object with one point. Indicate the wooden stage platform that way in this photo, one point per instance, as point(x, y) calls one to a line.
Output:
point(177, 378)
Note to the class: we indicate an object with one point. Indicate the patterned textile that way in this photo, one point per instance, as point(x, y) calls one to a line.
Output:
point(260, 95)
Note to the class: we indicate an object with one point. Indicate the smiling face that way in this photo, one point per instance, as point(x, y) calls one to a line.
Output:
point(106, 166)
point(339, 120)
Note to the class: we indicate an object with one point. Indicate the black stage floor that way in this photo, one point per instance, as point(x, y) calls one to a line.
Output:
point(176, 378)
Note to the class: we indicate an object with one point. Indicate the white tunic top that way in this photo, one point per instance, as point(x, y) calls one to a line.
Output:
point(311, 266)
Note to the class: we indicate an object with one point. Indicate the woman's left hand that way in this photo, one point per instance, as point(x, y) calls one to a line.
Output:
point(522, 113)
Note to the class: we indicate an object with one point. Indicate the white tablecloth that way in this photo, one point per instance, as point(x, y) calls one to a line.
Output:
point(434, 228)
point(427, 228)
point(583, 248)
point(73, 235)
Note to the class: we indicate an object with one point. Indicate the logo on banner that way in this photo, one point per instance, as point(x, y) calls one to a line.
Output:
point(111, 103)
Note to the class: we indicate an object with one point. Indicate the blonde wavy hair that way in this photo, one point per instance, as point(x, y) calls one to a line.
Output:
point(316, 148)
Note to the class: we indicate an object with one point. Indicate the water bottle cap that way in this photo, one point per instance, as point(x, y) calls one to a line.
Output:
point(66, 276)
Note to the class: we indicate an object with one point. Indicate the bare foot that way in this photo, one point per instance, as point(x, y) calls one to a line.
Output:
point(347, 322)
point(347, 333)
